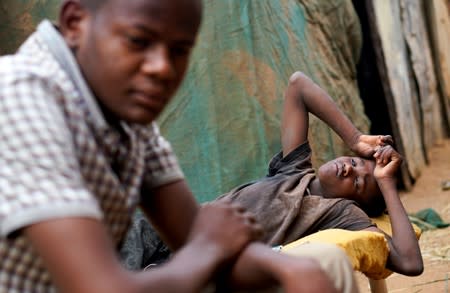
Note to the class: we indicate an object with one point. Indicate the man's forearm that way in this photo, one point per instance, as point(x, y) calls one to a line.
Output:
point(189, 270)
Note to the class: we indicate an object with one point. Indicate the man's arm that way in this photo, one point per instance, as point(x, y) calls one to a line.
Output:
point(303, 96)
point(404, 255)
point(171, 209)
point(80, 256)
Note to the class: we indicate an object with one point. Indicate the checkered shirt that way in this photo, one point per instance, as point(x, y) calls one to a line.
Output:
point(59, 157)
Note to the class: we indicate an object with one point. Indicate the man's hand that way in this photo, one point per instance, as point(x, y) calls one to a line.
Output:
point(224, 229)
point(387, 163)
point(366, 145)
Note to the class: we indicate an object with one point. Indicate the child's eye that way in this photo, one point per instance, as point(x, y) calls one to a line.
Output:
point(353, 162)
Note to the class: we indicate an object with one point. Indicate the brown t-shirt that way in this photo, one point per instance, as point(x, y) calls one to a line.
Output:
point(281, 204)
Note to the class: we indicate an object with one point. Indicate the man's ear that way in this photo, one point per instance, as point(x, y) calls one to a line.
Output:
point(73, 18)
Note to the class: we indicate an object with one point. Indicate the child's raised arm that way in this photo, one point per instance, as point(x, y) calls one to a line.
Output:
point(404, 255)
point(303, 96)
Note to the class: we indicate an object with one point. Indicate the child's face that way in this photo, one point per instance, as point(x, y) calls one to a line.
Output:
point(349, 177)
point(134, 54)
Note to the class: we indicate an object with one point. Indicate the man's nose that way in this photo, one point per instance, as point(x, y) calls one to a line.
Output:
point(348, 170)
point(158, 63)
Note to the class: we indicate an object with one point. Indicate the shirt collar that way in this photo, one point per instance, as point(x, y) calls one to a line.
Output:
point(64, 56)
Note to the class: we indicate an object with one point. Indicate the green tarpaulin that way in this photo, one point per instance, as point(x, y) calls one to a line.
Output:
point(224, 122)
point(18, 18)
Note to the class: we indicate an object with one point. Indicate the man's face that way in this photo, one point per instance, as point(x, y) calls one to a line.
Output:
point(134, 54)
point(349, 177)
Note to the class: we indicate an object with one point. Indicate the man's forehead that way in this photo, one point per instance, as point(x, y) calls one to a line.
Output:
point(93, 5)
point(190, 8)
point(184, 13)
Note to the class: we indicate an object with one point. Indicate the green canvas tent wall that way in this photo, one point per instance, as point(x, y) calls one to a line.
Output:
point(224, 122)
point(18, 18)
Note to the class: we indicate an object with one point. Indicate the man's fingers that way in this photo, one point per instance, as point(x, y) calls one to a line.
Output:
point(246, 218)
point(258, 231)
point(239, 208)
point(256, 228)
point(250, 218)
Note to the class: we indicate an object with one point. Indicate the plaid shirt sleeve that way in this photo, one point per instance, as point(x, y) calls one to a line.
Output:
point(162, 164)
point(39, 173)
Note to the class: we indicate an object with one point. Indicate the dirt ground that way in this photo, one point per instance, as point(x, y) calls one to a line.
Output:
point(435, 245)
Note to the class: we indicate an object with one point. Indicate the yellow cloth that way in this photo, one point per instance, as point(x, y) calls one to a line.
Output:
point(368, 251)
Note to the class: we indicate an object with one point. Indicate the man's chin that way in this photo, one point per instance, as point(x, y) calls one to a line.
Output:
point(142, 117)
point(140, 120)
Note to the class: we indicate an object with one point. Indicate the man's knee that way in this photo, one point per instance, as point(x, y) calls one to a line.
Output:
point(334, 261)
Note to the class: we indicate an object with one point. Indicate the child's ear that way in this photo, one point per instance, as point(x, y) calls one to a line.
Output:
point(73, 20)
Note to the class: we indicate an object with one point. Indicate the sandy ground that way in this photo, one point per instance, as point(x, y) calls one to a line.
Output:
point(435, 245)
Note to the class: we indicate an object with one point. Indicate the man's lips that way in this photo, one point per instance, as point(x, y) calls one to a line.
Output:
point(151, 100)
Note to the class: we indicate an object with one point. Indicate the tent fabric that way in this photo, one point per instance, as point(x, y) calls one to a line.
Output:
point(224, 123)
point(19, 18)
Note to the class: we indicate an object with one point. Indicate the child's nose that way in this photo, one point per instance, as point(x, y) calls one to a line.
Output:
point(348, 169)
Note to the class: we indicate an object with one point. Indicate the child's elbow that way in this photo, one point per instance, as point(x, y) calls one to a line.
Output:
point(417, 269)
point(412, 267)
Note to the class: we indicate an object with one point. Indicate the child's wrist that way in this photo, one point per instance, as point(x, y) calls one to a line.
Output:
point(354, 139)
point(386, 182)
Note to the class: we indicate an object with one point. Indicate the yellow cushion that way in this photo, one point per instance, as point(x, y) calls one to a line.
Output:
point(368, 251)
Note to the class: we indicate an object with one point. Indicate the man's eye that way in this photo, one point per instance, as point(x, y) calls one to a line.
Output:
point(356, 182)
point(353, 163)
point(180, 51)
point(137, 42)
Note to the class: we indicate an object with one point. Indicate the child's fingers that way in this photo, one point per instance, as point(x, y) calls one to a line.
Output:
point(387, 140)
point(379, 153)
point(381, 158)
point(377, 149)
point(383, 140)
point(384, 155)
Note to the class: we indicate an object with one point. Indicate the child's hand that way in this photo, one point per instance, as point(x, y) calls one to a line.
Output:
point(387, 163)
point(366, 145)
